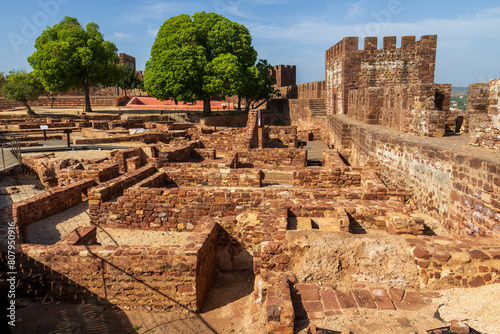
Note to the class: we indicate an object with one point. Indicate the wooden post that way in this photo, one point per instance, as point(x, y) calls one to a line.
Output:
point(67, 132)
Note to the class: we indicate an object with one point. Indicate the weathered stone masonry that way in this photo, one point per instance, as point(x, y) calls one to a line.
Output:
point(392, 86)
point(377, 87)
point(459, 190)
point(485, 127)
point(168, 276)
point(48, 204)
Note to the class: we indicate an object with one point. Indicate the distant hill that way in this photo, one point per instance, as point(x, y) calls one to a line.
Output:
point(457, 91)
point(459, 97)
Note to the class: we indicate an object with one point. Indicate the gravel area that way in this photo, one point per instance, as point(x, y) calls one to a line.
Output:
point(78, 154)
point(119, 237)
point(479, 308)
point(50, 230)
point(17, 188)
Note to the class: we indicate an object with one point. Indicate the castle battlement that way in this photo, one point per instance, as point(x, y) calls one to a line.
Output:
point(349, 45)
point(284, 67)
point(285, 75)
point(347, 67)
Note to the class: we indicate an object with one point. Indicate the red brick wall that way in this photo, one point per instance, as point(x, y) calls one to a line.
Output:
point(146, 137)
point(65, 101)
point(48, 204)
point(171, 275)
point(176, 153)
point(285, 75)
point(286, 135)
point(198, 177)
point(332, 160)
point(485, 129)
point(311, 90)
point(477, 99)
point(348, 68)
point(121, 157)
point(299, 112)
point(462, 192)
point(101, 173)
point(317, 178)
point(365, 104)
point(206, 261)
point(115, 187)
point(275, 156)
point(455, 263)
point(408, 108)
point(279, 313)
point(231, 140)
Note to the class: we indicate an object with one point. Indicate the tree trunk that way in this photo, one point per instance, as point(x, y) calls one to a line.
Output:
point(29, 111)
point(239, 102)
point(87, 98)
point(206, 106)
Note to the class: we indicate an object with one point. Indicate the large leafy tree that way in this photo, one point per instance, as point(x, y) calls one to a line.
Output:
point(257, 84)
point(194, 58)
point(22, 87)
point(69, 57)
point(129, 79)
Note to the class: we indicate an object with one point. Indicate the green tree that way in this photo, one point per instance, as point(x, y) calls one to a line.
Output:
point(129, 79)
point(257, 84)
point(69, 57)
point(2, 79)
point(194, 58)
point(22, 87)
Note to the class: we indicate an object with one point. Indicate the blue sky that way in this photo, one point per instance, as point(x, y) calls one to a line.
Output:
point(294, 32)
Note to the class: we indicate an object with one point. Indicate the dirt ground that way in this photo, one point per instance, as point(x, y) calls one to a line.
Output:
point(345, 259)
point(50, 230)
point(226, 310)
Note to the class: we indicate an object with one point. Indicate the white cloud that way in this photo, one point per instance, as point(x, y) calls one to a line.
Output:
point(313, 31)
point(269, 2)
point(467, 46)
point(244, 8)
point(152, 31)
point(237, 10)
point(488, 13)
point(354, 11)
point(151, 10)
point(120, 35)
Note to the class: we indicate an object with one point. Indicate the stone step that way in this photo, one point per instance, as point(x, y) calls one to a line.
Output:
point(282, 177)
point(313, 301)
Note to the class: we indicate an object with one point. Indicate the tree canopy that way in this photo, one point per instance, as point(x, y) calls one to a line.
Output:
point(194, 58)
point(69, 57)
point(22, 87)
point(129, 79)
point(257, 84)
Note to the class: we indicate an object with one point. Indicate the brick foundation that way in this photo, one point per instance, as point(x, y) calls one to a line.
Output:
point(461, 192)
point(48, 204)
point(175, 276)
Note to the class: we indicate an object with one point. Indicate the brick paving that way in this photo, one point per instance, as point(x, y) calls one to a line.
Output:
point(313, 301)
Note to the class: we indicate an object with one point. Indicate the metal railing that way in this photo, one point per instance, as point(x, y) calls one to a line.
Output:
point(15, 149)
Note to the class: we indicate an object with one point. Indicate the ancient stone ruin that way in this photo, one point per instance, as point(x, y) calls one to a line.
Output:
point(370, 220)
